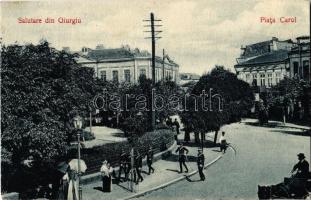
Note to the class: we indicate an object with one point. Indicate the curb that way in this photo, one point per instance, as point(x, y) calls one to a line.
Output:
point(170, 182)
point(90, 178)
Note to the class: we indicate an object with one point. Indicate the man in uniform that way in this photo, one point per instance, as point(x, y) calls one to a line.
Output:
point(182, 151)
point(150, 159)
point(200, 162)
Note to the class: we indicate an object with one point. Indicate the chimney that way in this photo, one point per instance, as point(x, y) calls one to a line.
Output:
point(275, 39)
point(100, 47)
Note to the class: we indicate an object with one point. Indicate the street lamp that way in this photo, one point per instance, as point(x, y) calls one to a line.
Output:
point(77, 122)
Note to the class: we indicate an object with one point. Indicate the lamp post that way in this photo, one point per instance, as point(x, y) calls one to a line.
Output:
point(77, 121)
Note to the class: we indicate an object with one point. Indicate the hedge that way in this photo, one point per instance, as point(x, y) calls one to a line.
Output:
point(160, 140)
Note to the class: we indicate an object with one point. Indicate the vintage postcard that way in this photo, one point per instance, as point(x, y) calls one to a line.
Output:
point(155, 99)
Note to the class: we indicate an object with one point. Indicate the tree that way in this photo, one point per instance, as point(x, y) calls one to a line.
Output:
point(286, 99)
point(236, 100)
point(42, 89)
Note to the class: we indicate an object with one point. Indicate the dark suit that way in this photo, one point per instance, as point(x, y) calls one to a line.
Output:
point(150, 160)
point(138, 167)
point(200, 162)
point(302, 168)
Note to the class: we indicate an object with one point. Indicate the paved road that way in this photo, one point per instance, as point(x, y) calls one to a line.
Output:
point(264, 156)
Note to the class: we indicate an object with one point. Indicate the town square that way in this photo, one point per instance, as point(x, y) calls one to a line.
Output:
point(181, 99)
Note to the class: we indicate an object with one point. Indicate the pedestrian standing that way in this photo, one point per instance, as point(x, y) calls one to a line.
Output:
point(138, 168)
point(177, 126)
point(223, 142)
point(182, 151)
point(123, 165)
point(200, 162)
point(105, 171)
point(150, 160)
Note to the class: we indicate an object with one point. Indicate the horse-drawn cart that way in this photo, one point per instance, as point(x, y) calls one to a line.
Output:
point(291, 188)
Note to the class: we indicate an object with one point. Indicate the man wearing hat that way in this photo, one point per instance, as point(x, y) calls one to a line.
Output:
point(302, 167)
point(297, 185)
point(200, 162)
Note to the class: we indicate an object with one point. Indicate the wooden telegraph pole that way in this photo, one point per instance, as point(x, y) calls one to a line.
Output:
point(153, 40)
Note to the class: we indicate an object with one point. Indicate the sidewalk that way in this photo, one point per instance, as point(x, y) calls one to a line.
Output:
point(166, 173)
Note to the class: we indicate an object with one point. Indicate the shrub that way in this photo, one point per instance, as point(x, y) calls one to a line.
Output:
point(159, 139)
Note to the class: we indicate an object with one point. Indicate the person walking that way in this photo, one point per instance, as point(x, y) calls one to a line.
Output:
point(200, 162)
point(150, 160)
point(223, 142)
point(182, 151)
point(138, 168)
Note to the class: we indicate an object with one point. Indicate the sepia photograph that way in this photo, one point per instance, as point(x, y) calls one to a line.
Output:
point(155, 99)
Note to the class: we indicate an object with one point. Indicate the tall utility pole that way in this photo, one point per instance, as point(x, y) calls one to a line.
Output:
point(163, 66)
point(153, 39)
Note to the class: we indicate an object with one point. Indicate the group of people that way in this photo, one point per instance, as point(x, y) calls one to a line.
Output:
point(126, 167)
point(182, 158)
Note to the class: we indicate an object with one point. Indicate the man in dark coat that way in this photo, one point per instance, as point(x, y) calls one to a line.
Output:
point(302, 167)
point(138, 167)
point(298, 183)
point(150, 160)
point(176, 124)
point(182, 151)
point(200, 162)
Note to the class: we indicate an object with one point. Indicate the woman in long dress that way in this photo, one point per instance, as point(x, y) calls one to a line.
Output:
point(106, 177)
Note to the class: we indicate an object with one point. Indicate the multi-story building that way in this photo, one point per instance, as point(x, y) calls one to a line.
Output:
point(125, 65)
point(265, 63)
point(299, 59)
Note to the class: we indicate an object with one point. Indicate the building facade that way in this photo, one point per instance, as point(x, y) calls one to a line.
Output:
point(264, 64)
point(125, 65)
point(299, 59)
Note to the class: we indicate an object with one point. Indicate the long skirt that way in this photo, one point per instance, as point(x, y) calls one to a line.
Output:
point(106, 183)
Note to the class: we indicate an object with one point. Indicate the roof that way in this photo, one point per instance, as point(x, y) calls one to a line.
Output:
point(274, 56)
point(103, 54)
point(256, 49)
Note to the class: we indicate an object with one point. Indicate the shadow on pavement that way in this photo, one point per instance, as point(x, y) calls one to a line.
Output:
point(173, 170)
point(272, 125)
point(299, 133)
point(206, 144)
point(175, 157)
point(98, 188)
point(189, 180)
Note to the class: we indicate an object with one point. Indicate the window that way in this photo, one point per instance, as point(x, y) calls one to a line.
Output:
point(296, 68)
point(254, 79)
point(115, 76)
point(142, 72)
point(269, 79)
point(306, 70)
point(277, 77)
point(127, 75)
point(262, 79)
point(103, 75)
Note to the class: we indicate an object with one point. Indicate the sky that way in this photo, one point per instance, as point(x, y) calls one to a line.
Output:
point(197, 34)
